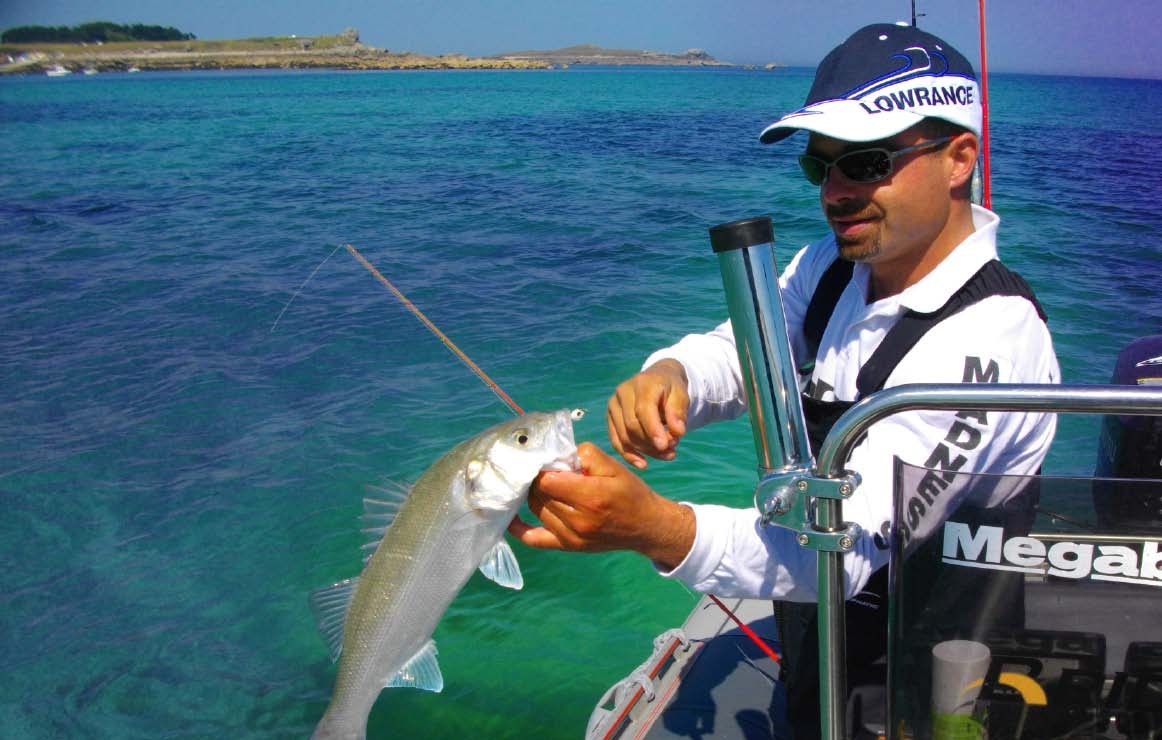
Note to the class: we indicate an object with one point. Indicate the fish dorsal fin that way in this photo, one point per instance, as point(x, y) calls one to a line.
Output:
point(379, 513)
point(422, 671)
point(329, 605)
point(500, 565)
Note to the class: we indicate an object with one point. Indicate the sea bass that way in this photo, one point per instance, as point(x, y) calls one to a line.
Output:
point(380, 624)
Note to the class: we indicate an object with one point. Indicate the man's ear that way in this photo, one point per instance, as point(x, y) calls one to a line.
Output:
point(962, 155)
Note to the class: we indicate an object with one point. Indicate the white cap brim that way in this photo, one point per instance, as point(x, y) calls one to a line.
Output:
point(886, 111)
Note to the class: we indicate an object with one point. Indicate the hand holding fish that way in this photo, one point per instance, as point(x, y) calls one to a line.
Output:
point(606, 507)
point(647, 413)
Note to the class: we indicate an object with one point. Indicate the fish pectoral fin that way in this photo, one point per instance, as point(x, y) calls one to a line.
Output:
point(422, 671)
point(500, 566)
point(329, 605)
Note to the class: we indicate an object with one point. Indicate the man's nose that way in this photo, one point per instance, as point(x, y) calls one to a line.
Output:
point(836, 188)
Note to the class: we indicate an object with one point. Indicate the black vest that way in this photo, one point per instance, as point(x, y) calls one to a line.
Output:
point(992, 279)
point(866, 615)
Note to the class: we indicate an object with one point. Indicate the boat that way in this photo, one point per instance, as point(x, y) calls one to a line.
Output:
point(1066, 614)
point(1035, 624)
point(58, 70)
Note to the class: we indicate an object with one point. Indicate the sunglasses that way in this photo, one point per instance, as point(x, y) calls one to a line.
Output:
point(863, 165)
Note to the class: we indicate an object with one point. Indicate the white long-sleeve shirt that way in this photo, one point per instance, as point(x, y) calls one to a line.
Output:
point(999, 340)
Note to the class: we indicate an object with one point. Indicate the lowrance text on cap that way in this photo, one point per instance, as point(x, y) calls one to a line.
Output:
point(882, 80)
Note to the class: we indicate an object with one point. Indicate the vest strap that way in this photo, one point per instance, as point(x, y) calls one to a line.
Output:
point(992, 279)
point(823, 302)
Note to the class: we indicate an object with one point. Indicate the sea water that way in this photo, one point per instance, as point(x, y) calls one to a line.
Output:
point(181, 461)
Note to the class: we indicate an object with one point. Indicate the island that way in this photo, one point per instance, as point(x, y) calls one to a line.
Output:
point(340, 51)
point(590, 54)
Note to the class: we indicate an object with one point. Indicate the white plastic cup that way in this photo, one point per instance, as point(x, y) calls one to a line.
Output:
point(958, 671)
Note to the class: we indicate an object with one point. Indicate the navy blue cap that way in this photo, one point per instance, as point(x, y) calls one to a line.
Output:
point(884, 79)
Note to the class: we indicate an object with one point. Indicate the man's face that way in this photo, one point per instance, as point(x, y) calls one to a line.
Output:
point(894, 220)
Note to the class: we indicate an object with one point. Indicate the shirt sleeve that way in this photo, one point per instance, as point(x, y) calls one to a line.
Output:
point(713, 374)
point(711, 359)
point(733, 555)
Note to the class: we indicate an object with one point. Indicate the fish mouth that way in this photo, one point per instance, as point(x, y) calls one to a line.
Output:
point(563, 442)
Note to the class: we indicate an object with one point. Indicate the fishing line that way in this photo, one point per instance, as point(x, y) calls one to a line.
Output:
point(300, 290)
point(749, 632)
point(439, 334)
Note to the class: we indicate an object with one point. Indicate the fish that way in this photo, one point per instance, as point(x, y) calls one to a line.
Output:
point(379, 625)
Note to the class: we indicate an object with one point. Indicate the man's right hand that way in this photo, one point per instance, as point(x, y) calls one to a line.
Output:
point(646, 415)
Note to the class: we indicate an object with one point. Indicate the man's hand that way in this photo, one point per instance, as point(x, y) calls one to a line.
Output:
point(606, 507)
point(647, 413)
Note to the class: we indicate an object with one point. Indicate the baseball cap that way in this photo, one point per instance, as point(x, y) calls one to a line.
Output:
point(882, 80)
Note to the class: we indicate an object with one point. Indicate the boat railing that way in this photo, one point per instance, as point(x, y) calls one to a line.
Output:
point(1084, 399)
point(806, 495)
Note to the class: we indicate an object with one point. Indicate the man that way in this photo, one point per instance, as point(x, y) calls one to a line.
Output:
point(905, 289)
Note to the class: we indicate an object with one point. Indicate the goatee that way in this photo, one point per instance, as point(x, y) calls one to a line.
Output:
point(857, 250)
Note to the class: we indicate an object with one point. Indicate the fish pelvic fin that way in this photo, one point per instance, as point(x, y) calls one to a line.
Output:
point(500, 566)
point(422, 671)
point(329, 605)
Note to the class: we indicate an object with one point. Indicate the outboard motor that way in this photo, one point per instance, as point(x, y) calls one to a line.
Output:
point(1131, 446)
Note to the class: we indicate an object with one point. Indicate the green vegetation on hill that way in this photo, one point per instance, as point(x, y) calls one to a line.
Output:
point(90, 33)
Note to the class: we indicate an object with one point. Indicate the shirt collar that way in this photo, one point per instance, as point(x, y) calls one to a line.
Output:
point(934, 289)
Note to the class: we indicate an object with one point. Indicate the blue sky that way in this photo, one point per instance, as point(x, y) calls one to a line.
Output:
point(1090, 37)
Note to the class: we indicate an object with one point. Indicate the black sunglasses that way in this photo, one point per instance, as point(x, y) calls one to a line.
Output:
point(862, 165)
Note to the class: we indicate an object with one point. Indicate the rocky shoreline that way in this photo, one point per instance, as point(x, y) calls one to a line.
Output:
point(325, 52)
point(343, 51)
point(596, 55)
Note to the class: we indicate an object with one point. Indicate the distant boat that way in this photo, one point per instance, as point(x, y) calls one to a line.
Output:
point(89, 71)
point(58, 70)
point(133, 69)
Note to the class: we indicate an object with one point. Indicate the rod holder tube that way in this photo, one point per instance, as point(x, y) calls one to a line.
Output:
point(746, 258)
point(745, 252)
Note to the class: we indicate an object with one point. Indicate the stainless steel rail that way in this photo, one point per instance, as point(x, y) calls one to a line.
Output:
point(808, 497)
point(1082, 399)
point(833, 453)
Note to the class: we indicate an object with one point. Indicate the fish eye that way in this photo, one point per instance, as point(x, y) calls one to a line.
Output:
point(521, 436)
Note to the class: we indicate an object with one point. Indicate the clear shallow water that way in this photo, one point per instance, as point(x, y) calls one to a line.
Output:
point(176, 476)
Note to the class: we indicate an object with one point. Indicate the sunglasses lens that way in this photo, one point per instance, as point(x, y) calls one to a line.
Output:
point(814, 169)
point(870, 165)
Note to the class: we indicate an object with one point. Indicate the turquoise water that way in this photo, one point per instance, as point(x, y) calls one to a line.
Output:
point(177, 471)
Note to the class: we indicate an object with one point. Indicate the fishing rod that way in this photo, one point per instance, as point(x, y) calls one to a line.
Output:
point(507, 399)
point(987, 200)
point(986, 179)
point(435, 330)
